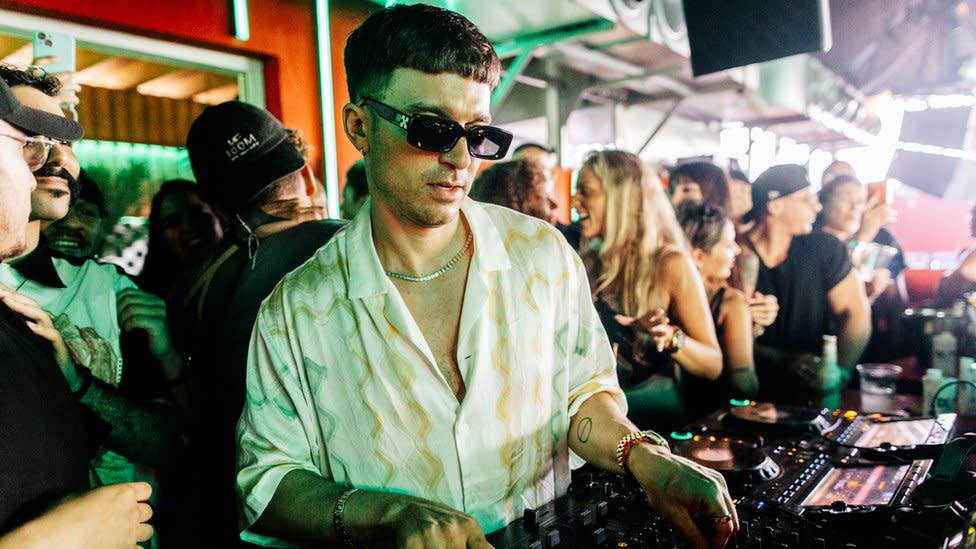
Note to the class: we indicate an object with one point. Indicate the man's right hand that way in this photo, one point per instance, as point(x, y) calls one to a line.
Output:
point(415, 523)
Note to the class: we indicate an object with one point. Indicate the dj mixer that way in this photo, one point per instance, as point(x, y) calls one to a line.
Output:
point(800, 479)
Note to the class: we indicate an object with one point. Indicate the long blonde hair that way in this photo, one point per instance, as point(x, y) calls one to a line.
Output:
point(641, 230)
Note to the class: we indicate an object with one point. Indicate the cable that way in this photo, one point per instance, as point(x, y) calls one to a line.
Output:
point(935, 397)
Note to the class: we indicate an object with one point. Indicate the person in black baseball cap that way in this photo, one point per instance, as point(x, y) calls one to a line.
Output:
point(811, 276)
point(36, 122)
point(257, 179)
point(238, 150)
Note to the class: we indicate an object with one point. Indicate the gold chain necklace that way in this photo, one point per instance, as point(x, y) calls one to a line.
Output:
point(431, 276)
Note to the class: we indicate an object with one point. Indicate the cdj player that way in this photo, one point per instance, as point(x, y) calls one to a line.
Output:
point(801, 478)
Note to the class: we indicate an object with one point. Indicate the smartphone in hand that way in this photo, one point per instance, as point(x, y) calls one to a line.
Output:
point(60, 47)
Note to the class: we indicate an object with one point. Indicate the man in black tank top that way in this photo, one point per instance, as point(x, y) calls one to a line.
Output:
point(818, 292)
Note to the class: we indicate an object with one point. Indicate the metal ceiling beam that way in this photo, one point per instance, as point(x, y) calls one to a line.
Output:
point(616, 64)
point(529, 42)
point(512, 73)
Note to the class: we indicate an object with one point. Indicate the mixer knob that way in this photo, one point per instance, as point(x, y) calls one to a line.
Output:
point(585, 518)
point(530, 519)
point(602, 511)
point(537, 544)
point(599, 536)
point(552, 538)
point(838, 506)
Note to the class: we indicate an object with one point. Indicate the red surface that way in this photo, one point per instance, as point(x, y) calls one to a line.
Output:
point(927, 224)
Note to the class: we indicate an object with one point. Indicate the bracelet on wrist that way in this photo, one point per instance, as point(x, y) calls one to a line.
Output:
point(337, 525)
point(627, 443)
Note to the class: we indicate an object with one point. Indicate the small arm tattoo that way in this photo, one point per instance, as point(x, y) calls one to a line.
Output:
point(583, 429)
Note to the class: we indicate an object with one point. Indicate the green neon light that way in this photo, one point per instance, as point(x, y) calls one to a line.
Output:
point(327, 104)
point(684, 435)
point(528, 42)
point(736, 402)
point(242, 23)
point(512, 73)
point(390, 3)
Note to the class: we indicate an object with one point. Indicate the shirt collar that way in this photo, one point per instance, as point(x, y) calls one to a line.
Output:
point(366, 274)
point(38, 266)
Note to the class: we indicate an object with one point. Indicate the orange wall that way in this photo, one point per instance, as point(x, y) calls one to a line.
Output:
point(345, 16)
point(282, 36)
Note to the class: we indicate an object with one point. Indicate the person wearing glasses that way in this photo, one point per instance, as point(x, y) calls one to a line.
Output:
point(423, 377)
point(811, 275)
point(248, 167)
point(45, 446)
point(88, 305)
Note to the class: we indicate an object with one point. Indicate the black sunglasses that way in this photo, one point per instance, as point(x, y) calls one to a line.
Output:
point(433, 134)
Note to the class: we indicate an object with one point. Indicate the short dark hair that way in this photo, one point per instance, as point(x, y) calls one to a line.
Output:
point(509, 183)
point(356, 178)
point(702, 224)
point(739, 175)
point(711, 179)
point(826, 196)
point(34, 77)
point(531, 145)
point(421, 37)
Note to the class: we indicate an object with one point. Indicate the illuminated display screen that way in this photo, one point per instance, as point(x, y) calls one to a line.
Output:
point(858, 486)
point(898, 433)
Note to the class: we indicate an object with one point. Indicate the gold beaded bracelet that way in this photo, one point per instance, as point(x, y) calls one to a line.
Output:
point(630, 439)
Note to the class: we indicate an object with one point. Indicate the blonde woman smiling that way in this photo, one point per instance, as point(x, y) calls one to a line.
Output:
point(645, 285)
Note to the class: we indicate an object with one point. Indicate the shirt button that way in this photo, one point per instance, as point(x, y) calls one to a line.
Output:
point(463, 428)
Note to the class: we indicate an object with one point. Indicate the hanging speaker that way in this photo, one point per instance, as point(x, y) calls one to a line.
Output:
point(633, 14)
point(724, 34)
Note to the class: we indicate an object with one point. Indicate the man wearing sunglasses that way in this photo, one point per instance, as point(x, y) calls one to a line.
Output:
point(422, 378)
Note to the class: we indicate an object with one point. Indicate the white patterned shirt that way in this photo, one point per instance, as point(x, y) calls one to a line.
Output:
point(342, 383)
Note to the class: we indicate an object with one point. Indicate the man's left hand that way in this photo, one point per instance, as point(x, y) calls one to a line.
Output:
point(695, 499)
point(139, 310)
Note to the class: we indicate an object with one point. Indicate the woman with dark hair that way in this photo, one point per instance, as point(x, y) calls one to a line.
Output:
point(711, 236)
point(648, 293)
point(521, 185)
point(183, 236)
point(701, 181)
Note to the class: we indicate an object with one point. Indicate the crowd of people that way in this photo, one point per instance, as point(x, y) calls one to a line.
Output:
point(419, 373)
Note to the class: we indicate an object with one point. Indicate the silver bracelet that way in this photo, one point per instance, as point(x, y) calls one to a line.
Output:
point(340, 506)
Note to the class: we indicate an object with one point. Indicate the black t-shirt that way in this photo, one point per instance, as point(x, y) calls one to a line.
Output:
point(814, 264)
point(44, 440)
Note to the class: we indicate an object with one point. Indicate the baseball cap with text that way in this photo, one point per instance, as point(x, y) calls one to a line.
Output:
point(236, 151)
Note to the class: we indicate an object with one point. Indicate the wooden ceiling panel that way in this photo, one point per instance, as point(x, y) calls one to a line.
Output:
point(121, 73)
point(183, 84)
point(218, 95)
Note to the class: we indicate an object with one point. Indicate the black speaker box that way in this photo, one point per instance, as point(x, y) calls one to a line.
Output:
point(731, 33)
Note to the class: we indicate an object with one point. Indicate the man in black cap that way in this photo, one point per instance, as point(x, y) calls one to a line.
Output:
point(45, 450)
point(250, 170)
point(818, 292)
